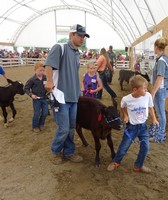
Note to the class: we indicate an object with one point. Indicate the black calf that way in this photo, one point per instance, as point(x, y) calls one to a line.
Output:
point(100, 119)
point(7, 97)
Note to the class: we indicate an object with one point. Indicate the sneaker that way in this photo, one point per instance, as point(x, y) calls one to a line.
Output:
point(142, 169)
point(112, 166)
point(74, 158)
point(57, 159)
point(36, 130)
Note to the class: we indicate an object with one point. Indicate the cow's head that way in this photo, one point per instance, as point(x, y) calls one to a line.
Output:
point(144, 75)
point(112, 117)
point(17, 86)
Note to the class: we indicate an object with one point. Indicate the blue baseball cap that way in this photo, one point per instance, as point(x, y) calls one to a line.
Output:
point(77, 28)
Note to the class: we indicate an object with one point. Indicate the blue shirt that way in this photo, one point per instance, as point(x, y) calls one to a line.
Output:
point(2, 71)
point(67, 63)
point(161, 69)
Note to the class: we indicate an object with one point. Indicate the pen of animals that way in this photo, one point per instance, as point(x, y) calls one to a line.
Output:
point(27, 170)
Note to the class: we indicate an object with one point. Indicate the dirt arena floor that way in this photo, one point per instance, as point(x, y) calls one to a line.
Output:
point(27, 171)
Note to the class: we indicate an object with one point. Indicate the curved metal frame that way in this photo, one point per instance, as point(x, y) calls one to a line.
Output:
point(107, 10)
point(104, 18)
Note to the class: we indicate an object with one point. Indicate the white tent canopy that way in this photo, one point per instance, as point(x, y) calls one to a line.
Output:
point(40, 23)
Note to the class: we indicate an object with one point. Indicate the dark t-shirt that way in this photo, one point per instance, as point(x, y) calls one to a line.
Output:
point(112, 57)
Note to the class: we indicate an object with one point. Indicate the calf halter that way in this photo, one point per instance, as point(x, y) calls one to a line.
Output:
point(111, 120)
point(107, 121)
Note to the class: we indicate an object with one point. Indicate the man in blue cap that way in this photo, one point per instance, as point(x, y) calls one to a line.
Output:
point(61, 67)
point(112, 57)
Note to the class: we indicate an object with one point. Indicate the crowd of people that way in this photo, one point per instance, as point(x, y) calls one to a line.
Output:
point(54, 75)
point(42, 54)
point(37, 53)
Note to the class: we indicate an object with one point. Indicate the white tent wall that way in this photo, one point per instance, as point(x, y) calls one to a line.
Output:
point(43, 36)
point(101, 35)
point(124, 21)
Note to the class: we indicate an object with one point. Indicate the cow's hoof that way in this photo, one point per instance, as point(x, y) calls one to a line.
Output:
point(11, 120)
point(86, 144)
point(6, 125)
point(97, 165)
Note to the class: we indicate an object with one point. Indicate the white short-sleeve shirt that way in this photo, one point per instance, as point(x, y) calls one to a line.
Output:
point(137, 108)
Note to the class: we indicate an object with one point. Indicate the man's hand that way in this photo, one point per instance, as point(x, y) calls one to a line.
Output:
point(49, 86)
point(49, 83)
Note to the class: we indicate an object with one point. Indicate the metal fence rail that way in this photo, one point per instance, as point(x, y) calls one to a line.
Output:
point(16, 62)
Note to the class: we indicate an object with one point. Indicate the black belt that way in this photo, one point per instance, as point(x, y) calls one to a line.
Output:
point(100, 71)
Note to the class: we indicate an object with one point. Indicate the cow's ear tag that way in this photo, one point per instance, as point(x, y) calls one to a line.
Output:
point(100, 117)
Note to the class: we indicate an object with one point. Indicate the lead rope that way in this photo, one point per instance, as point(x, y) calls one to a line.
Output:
point(126, 132)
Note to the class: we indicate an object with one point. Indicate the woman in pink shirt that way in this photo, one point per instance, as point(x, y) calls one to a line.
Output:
point(103, 63)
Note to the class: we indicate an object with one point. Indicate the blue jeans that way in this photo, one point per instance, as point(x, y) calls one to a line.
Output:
point(159, 102)
point(104, 80)
point(64, 136)
point(140, 131)
point(40, 107)
point(109, 75)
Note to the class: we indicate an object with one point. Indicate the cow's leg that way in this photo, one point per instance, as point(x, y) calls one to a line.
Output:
point(5, 114)
point(97, 147)
point(121, 84)
point(110, 144)
point(13, 112)
point(79, 131)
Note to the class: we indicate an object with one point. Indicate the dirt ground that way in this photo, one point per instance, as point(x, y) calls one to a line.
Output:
point(27, 171)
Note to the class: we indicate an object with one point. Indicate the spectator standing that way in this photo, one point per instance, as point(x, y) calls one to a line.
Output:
point(126, 60)
point(103, 63)
point(135, 108)
point(126, 57)
point(160, 86)
point(34, 87)
point(65, 60)
point(2, 53)
point(91, 83)
point(90, 54)
point(112, 57)
point(3, 73)
point(137, 66)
